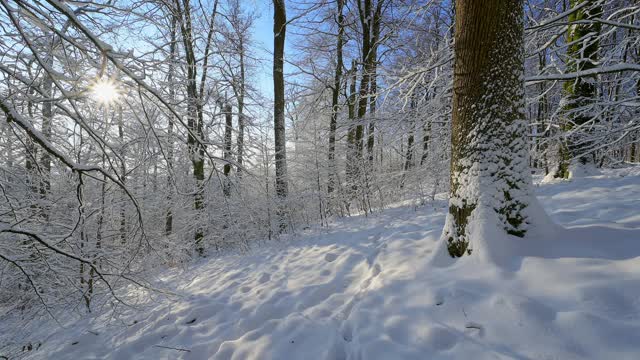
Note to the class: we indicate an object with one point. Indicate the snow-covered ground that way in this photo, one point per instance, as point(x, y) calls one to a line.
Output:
point(367, 289)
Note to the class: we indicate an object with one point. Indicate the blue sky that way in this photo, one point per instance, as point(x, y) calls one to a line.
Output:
point(263, 38)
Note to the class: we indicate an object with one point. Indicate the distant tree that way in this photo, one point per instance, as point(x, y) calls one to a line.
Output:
point(582, 54)
point(237, 61)
point(195, 102)
point(228, 129)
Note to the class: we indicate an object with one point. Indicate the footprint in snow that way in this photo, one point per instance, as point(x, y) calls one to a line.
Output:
point(264, 278)
point(377, 269)
point(330, 257)
point(475, 326)
point(245, 289)
point(347, 332)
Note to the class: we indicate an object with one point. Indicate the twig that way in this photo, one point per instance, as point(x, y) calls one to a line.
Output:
point(473, 325)
point(172, 348)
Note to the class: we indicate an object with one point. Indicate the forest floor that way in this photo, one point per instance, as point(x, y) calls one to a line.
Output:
point(365, 289)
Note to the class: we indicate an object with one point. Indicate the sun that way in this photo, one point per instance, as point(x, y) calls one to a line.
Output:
point(105, 91)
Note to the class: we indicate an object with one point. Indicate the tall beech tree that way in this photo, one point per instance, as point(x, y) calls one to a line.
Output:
point(335, 96)
point(195, 103)
point(490, 181)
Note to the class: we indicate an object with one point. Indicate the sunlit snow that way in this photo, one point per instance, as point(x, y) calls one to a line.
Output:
point(368, 288)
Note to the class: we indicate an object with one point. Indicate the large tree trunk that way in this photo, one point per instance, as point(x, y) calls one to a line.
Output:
point(279, 31)
point(490, 176)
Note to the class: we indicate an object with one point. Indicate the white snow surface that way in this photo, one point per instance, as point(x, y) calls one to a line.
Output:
point(368, 288)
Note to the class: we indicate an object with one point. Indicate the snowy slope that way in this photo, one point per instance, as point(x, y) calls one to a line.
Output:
point(366, 289)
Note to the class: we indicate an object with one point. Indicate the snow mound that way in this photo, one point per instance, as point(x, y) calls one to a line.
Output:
point(576, 171)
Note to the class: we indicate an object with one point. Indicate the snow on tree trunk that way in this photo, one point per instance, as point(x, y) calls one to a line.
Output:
point(582, 55)
point(490, 176)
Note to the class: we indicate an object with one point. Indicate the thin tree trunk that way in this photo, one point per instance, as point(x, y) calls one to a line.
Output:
point(241, 124)
point(335, 97)
point(408, 158)
point(634, 144)
point(123, 175)
point(372, 60)
point(426, 132)
point(195, 117)
point(364, 10)
point(279, 31)
point(168, 227)
point(47, 119)
point(228, 128)
point(541, 117)
point(351, 135)
point(633, 151)
point(31, 157)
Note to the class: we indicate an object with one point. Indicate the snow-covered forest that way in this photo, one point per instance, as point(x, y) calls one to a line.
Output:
point(324, 179)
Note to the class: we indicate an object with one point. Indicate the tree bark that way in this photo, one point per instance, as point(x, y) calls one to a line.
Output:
point(228, 128)
point(351, 164)
point(408, 158)
point(195, 117)
point(490, 176)
point(279, 31)
point(240, 95)
point(123, 175)
point(372, 60)
point(364, 10)
point(168, 227)
point(583, 55)
point(47, 120)
point(335, 97)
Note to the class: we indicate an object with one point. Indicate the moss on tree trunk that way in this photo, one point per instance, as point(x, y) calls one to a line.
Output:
point(489, 160)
